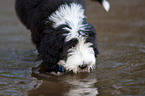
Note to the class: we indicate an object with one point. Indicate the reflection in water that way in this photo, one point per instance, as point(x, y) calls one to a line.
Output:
point(82, 87)
point(65, 85)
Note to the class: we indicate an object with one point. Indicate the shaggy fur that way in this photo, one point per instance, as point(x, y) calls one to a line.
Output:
point(60, 32)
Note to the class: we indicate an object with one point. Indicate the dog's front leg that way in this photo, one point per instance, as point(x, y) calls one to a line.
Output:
point(49, 50)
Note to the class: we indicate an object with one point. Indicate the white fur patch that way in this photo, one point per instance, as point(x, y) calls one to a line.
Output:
point(73, 16)
point(78, 55)
point(106, 5)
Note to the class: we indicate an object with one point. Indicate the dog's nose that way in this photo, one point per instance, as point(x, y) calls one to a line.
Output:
point(82, 66)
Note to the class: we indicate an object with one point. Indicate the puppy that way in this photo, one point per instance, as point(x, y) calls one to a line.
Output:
point(63, 38)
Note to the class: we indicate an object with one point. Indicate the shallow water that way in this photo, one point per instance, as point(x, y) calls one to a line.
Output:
point(121, 62)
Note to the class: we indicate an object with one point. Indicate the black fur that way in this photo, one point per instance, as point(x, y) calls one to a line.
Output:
point(49, 41)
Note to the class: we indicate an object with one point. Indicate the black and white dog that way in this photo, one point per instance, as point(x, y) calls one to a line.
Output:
point(60, 32)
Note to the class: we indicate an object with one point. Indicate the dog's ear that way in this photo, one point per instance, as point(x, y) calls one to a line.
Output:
point(105, 4)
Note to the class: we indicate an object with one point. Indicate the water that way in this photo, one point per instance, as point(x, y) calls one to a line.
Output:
point(121, 63)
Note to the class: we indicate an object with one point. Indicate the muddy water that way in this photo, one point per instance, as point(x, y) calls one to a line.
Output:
point(121, 62)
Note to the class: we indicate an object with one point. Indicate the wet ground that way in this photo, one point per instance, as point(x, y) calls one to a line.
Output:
point(121, 63)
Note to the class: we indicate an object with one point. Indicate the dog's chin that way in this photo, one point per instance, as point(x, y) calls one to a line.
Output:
point(88, 70)
point(75, 67)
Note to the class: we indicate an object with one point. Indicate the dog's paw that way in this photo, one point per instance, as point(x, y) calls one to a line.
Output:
point(57, 69)
point(60, 68)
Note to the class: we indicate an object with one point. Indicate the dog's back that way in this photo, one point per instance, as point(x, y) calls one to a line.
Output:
point(37, 11)
point(34, 13)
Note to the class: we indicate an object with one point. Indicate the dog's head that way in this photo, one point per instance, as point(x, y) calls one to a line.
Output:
point(80, 54)
point(80, 58)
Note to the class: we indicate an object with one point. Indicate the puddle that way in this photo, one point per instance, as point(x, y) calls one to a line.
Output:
point(121, 63)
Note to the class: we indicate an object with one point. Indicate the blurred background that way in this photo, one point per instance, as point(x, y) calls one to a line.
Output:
point(120, 67)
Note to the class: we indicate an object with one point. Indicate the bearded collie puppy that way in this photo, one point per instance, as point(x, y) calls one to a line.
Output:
point(63, 38)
